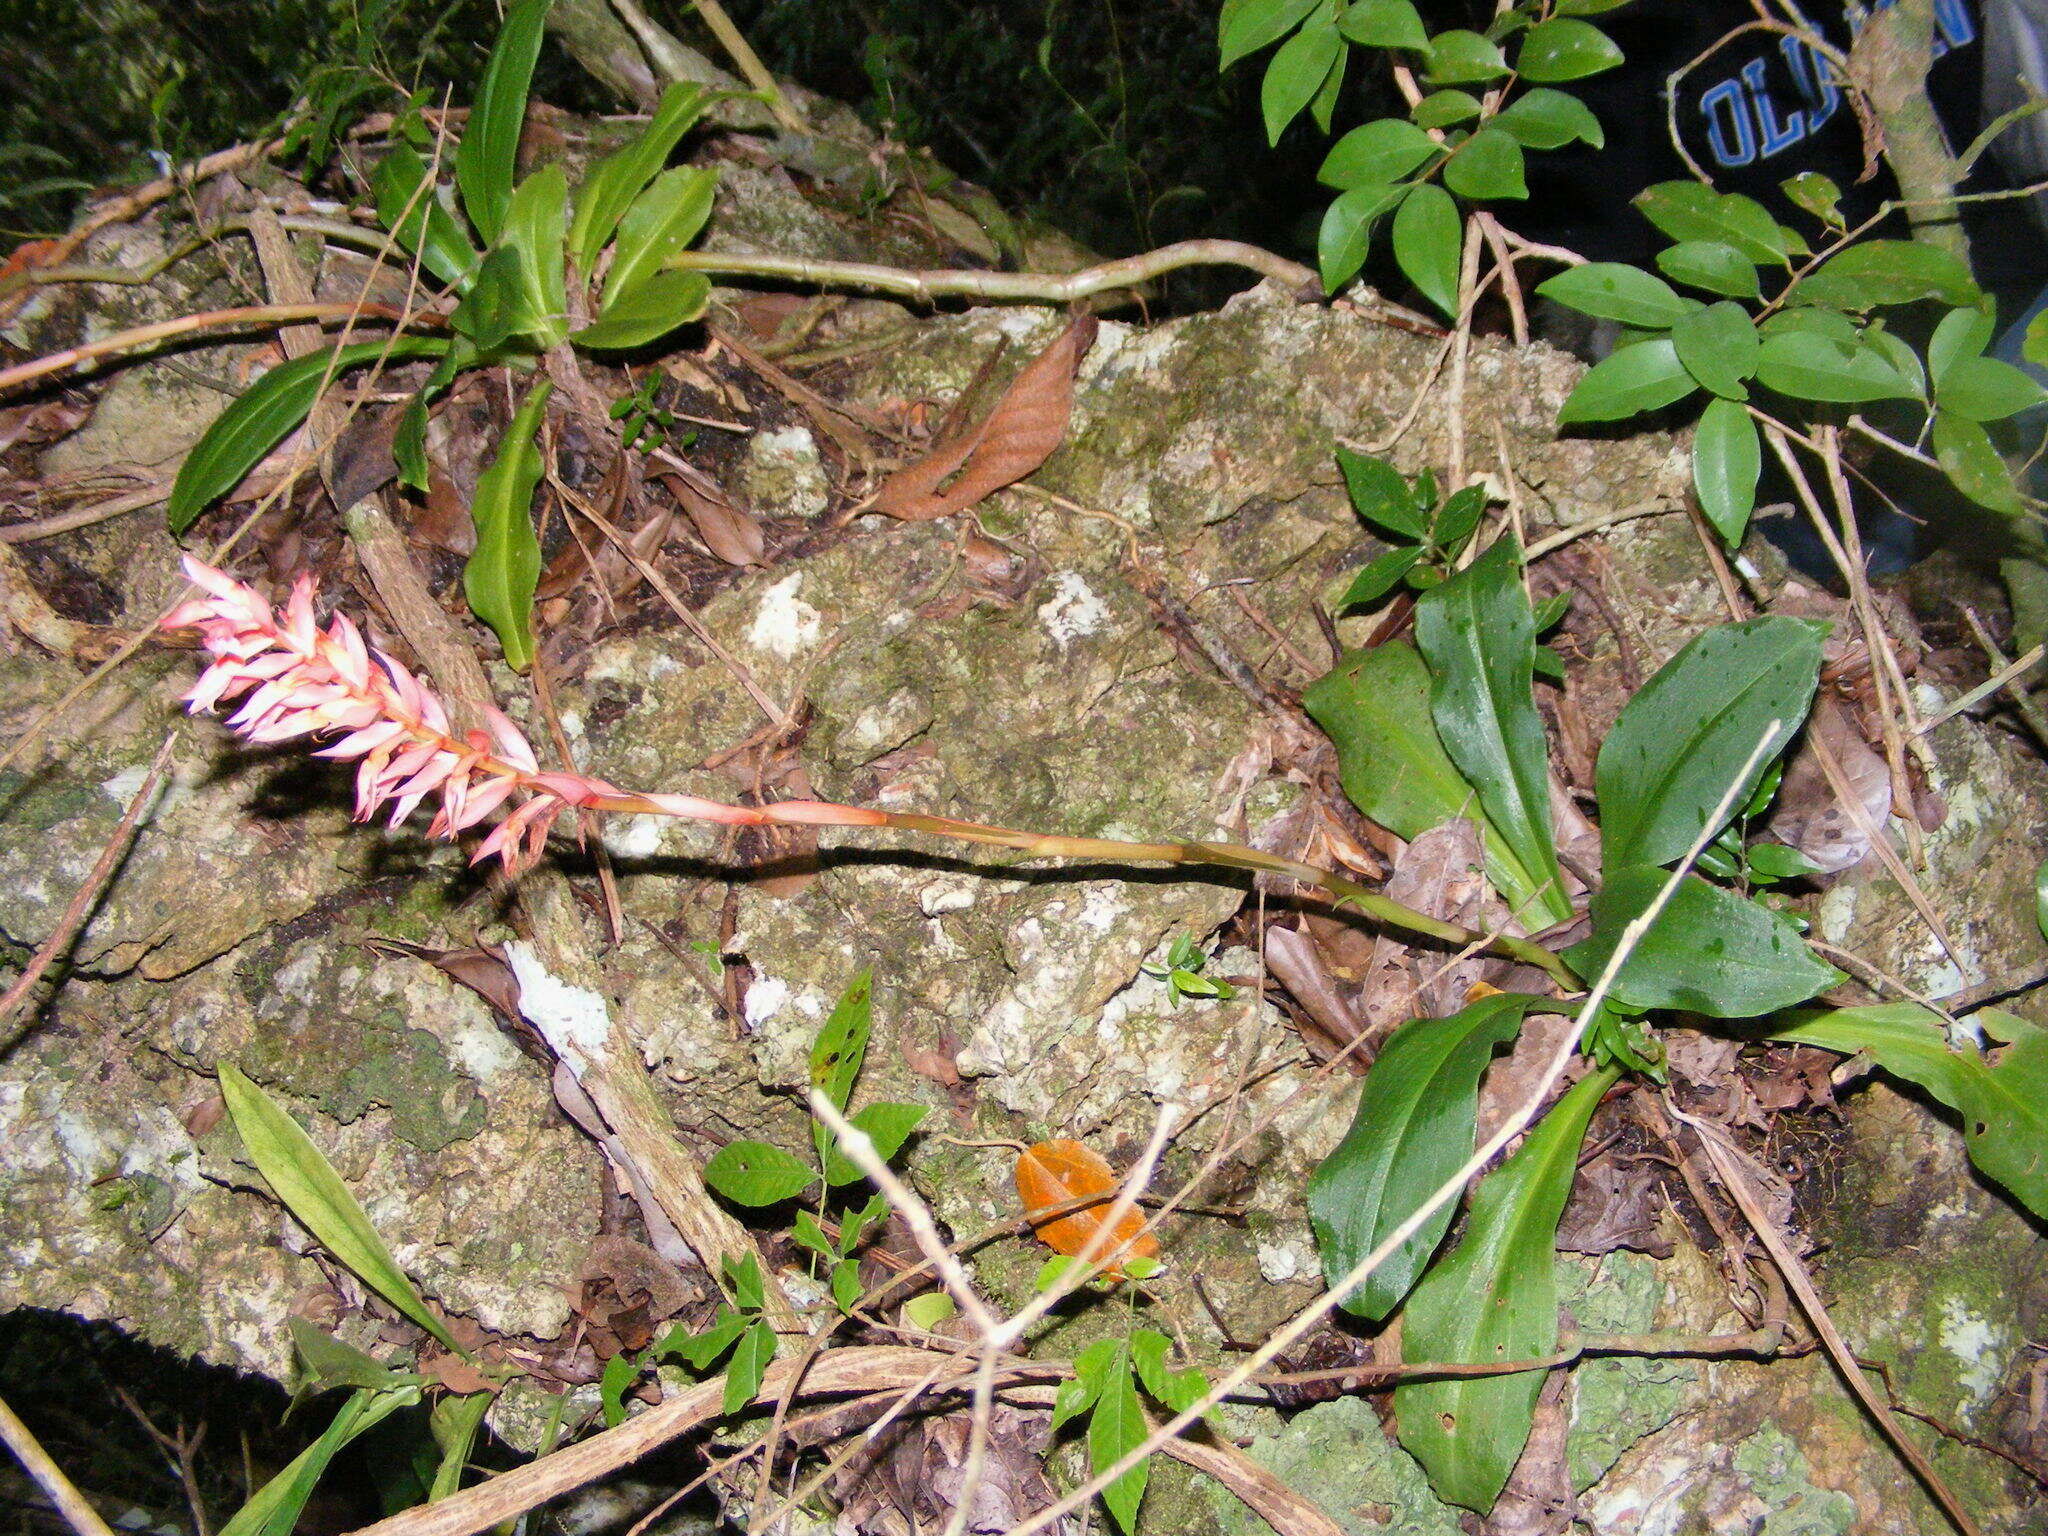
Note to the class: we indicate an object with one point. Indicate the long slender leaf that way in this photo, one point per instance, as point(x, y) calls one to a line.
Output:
point(647, 311)
point(489, 154)
point(662, 221)
point(264, 414)
point(608, 191)
point(2003, 1104)
point(1414, 1127)
point(1479, 635)
point(275, 1507)
point(1374, 705)
point(455, 1423)
point(1678, 745)
point(301, 1177)
point(1494, 1299)
point(504, 570)
point(409, 206)
point(533, 229)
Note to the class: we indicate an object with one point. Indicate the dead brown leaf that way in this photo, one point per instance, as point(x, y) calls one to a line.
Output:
point(1809, 815)
point(1441, 873)
point(730, 534)
point(1615, 1204)
point(1014, 439)
point(1538, 1499)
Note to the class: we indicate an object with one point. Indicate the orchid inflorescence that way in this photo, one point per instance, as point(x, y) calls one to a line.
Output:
point(293, 678)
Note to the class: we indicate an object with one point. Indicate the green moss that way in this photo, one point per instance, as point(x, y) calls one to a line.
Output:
point(349, 1066)
point(1337, 1454)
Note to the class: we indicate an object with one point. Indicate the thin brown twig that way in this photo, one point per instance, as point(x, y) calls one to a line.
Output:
point(83, 900)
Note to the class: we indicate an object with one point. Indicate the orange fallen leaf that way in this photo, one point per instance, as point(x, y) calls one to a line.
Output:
point(1016, 436)
point(1053, 1173)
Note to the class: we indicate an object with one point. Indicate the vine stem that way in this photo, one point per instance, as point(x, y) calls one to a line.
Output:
point(1041, 287)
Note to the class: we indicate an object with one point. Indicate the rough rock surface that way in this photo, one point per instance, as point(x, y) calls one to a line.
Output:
point(1200, 455)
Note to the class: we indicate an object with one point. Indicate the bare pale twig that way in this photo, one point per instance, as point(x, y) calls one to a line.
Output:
point(2021, 699)
point(70, 1503)
point(1511, 1126)
point(87, 894)
point(1564, 536)
point(1015, 287)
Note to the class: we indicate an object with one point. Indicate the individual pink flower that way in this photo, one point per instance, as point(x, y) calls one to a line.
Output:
point(289, 678)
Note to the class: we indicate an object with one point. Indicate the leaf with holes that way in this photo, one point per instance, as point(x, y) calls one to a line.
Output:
point(1413, 1129)
point(1494, 1299)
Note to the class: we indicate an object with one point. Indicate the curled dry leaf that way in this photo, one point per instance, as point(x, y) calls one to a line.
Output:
point(1051, 1174)
point(1810, 816)
point(1017, 436)
point(730, 534)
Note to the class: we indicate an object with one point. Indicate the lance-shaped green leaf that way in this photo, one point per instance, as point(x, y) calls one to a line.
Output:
point(1676, 748)
point(647, 312)
point(409, 206)
point(493, 308)
point(409, 443)
point(1727, 460)
point(842, 1045)
point(455, 1421)
point(274, 1509)
point(608, 191)
point(2003, 1104)
point(504, 569)
point(299, 1174)
point(1494, 1299)
point(533, 230)
point(1297, 71)
point(757, 1173)
point(1374, 706)
point(1116, 1425)
point(1479, 635)
point(264, 414)
point(1710, 951)
point(489, 154)
point(1413, 1129)
point(662, 221)
point(1644, 376)
point(1613, 290)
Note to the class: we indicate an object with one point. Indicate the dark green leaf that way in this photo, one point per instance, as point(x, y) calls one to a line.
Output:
point(1322, 108)
point(306, 1184)
point(1962, 334)
point(409, 444)
point(1380, 494)
point(1808, 366)
point(888, 1126)
point(1494, 1299)
point(662, 221)
point(620, 1372)
point(1564, 49)
point(1588, 7)
point(1458, 516)
point(504, 568)
point(701, 1351)
point(748, 1365)
point(757, 1173)
point(1479, 636)
point(1612, 290)
point(533, 229)
point(1374, 705)
point(1546, 119)
point(2034, 347)
point(1719, 346)
point(846, 1286)
point(1727, 459)
point(647, 312)
point(1094, 1369)
point(1710, 951)
point(1875, 272)
point(2003, 1104)
point(1445, 109)
point(1832, 324)
point(1429, 244)
point(743, 1281)
point(1376, 154)
point(408, 206)
point(1178, 1390)
point(809, 1234)
point(1677, 746)
point(1904, 360)
point(1116, 1426)
point(1966, 455)
point(1691, 210)
point(1296, 72)
point(1487, 165)
point(1816, 193)
point(264, 414)
point(1461, 57)
point(331, 1363)
point(493, 307)
point(1383, 24)
point(1378, 578)
point(1413, 1129)
point(1646, 376)
point(1985, 389)
point(1346, 233)
point(617, 179)
point(1246, 28)
point(488, 156)
point(1713, 265)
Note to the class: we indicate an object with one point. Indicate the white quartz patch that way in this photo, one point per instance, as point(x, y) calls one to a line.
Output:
point(573, 1020)
point(1073, 611)
point(785, 624)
